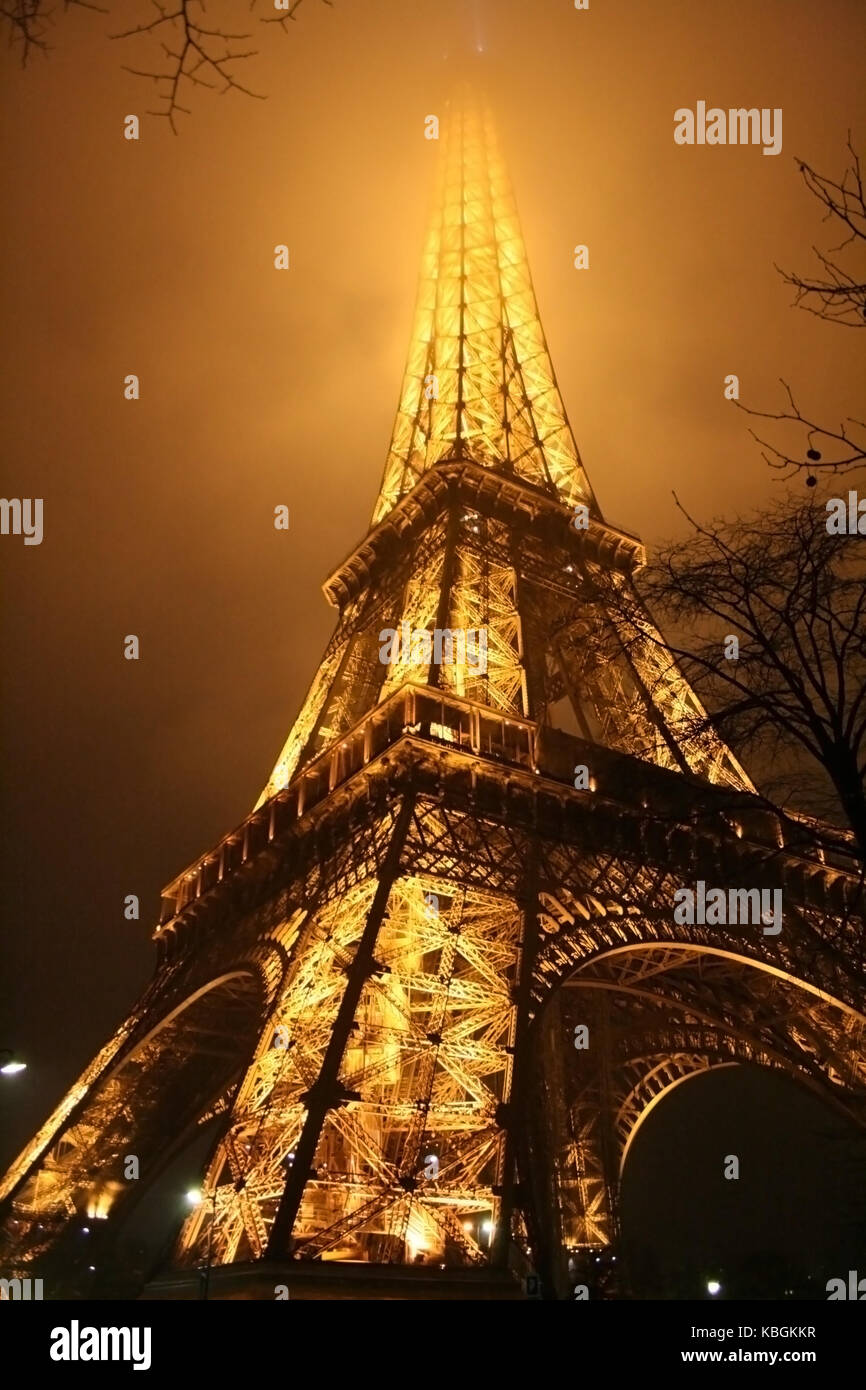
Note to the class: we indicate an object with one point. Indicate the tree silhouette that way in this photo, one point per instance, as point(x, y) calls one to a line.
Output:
point(836, 294)
point(792, 703)
point(188, 50)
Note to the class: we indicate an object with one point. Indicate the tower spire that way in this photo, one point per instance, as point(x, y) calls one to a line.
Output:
point(479, 384)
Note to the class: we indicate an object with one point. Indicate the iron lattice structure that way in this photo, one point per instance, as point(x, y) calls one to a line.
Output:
point(370, 988)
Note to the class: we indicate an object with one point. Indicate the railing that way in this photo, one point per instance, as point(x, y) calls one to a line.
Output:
point(441, 718)
point(451, 722)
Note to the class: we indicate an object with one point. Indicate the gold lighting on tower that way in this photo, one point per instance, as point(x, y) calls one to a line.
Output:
point(373, 989)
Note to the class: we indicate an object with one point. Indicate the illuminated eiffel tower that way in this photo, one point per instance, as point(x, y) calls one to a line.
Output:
point(372, 990)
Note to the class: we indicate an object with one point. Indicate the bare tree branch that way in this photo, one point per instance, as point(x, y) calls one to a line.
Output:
point(189, 53)
point(198, 51)
point(839, 297)
point(793, 702)
point(289, 13)
point(28, 23)
point(845, 444)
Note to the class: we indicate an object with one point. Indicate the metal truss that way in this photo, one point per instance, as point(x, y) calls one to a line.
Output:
point(369, 988)
point(659, 1015)
point(416, 1104)
point(479, 383)
point(410, 1151)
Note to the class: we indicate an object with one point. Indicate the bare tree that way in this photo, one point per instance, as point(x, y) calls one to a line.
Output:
point(189, 50)
point(836, 294)
point(792, 700)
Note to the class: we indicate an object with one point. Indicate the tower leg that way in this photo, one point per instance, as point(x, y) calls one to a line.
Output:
point(521, 1080)
point(325, 1091)
point(572, 1161)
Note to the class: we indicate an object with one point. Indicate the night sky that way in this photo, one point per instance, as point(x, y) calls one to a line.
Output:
point(260, 387)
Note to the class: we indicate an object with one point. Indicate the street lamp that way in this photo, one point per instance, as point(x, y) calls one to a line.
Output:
point(713, 1287)
point(9, 1066)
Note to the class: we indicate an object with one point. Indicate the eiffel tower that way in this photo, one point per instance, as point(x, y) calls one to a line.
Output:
point(375, 990)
